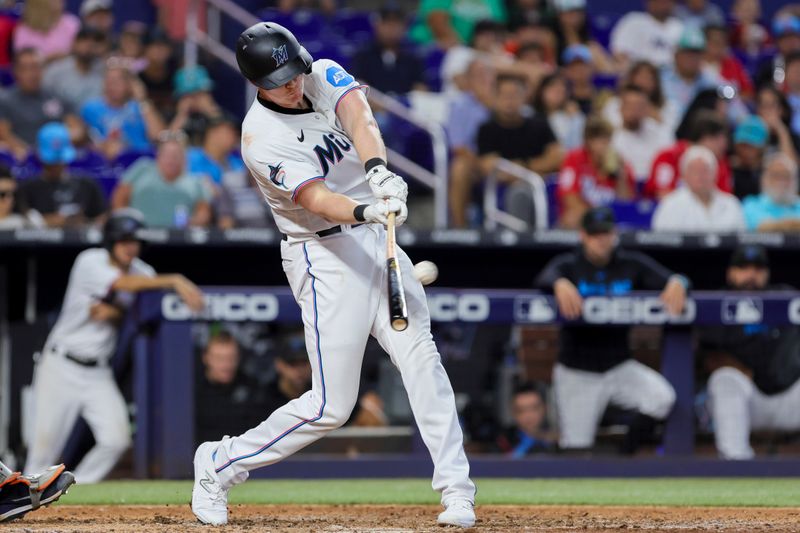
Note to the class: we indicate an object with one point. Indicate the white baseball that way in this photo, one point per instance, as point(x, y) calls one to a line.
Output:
point(426, 272)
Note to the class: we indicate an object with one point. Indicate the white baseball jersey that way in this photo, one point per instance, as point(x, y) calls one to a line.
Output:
point(90, 281)
point(287, 149)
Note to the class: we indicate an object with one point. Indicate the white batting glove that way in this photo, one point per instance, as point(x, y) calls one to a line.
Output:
point(386, 184)
point(379, 212)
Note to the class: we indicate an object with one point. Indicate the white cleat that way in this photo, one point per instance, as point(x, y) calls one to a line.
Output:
point(209, 499)
point(460, 513)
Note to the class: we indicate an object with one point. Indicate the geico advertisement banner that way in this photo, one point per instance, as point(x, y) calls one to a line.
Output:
point(505, 307)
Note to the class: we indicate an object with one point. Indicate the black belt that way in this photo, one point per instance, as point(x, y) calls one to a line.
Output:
point(82, 362)
point(325, 232)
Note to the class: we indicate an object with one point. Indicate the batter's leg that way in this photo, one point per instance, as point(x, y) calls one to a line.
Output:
point(331, 282)
point(429, 391)
point(105, 411)
point(56, 406)
point(731, 396)
point(581, 398)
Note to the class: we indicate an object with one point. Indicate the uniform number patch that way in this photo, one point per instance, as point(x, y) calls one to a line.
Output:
point(338, 77)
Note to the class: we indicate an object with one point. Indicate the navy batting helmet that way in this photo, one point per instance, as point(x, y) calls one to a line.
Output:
point(123, 225)
point(269, 55)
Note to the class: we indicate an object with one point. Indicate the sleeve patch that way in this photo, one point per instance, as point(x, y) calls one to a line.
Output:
point(338, 77)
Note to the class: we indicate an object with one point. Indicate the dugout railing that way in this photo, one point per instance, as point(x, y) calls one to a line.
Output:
point(164, 368)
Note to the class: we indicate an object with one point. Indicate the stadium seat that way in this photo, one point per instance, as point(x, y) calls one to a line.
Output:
point(305, 24)
point(126, 159)
point(353, 26)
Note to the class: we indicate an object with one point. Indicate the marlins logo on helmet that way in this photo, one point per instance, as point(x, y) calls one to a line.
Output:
point(280, 55)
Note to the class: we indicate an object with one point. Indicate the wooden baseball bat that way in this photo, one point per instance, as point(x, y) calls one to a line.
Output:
point(398, 311)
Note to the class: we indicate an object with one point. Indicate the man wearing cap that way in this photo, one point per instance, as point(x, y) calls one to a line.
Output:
point(79, 76)
point(595, 367)
point(196, 105)
point(27, 106)
point(98, 14)
point(699, 206)
point(579, 72)
point(786, 30)
point(777, 208)
point(651, 35)
point(62, 199)
point(755, 382)
point(682, 81)
point(749, 144)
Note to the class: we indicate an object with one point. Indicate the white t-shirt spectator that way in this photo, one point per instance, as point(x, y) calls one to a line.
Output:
point(681, 210)
point(639, 148)
point(641, 37)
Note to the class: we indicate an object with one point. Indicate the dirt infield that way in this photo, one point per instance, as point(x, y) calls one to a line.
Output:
point(393, 518)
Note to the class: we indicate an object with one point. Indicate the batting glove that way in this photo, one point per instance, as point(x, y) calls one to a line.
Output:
point(379, 211)
point(386, 184)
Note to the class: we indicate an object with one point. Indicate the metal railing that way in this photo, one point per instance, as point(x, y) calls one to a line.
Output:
point(209, 41)
point(493, 215)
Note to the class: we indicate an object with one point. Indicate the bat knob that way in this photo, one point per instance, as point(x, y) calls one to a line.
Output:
point(399, 324)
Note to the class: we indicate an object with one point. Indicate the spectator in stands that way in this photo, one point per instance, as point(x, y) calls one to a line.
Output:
point(47, 28)
point(792, 89)
point(774, 110)
point(592, 176)
point(683, 80)
point(647, 77)
point(747, 33)
point(699, 13)
point(98, 14)
point(571, 27)
point(772, 71)
point(579, 72)
point(526, 141)
point(162, 189)
point(196, 106)
point(131, 43)
point(563, 114)
point(26, 107)
point(123, 119)
point(720, 63)
point(224, 170)
point(755, 382)
point(292, 369)
point(9, 220)
point(527, 13)
point(78, 77)
point(639, 136)
point(227, 400)
point(595, 367)
point(699, 206)
point(450, 22)
point(710, 130)
point(468, 110)
point(60, 197)
point(777, 207)
point(530, 433)
point(651, 35)
point(749, 142)
point(160, 64)
point(720, 99)
point(384, 64)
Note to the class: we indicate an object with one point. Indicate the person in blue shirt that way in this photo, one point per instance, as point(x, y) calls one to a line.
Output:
point(777, 208)
point(216, 156)
point(123, 119)
point(530, 433)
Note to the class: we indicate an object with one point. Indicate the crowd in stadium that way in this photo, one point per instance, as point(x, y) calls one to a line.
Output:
point(688, 114)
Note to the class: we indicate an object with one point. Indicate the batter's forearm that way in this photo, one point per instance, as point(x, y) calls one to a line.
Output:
point(336, 208)
point(368, 141)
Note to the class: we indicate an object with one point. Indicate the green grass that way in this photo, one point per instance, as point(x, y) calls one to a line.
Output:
point(671, 491)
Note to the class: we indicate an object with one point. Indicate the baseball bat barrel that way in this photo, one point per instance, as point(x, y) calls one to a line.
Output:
point(398, 311)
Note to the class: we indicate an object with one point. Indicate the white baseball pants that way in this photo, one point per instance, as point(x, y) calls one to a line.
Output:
point(340, 284)
point(63, 390)
point(738, 406)
point(582, 397)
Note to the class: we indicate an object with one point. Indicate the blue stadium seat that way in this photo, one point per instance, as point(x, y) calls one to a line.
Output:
point(89, 162)
point(126, 159)
point(353, 26)
point(634, 215)
point(305, 24)
point(432, 59)
point(6, 78)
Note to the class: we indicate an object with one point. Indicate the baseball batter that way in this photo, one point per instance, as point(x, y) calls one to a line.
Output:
point(312, 145)
point(73, 378)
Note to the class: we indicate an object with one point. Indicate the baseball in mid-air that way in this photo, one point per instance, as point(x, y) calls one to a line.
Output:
point(426, 272)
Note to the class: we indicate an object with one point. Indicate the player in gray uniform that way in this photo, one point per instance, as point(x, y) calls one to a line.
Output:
point(312, 145)
point(73, 378)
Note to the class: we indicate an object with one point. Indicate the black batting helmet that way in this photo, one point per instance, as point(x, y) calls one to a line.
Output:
point(123, 225)
point(270, 56)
